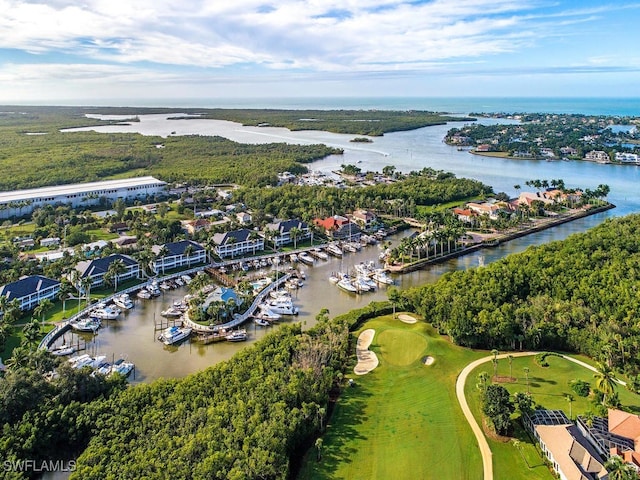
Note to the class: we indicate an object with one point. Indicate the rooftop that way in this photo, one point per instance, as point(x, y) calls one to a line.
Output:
point(56, 190)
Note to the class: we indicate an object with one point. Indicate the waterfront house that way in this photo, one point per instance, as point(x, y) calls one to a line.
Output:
point(283, 231)
point(339, 227)
point(625, 157)
point(485, 208)
point(30, 291)
point(365, 218)
point(616, 434)
point(238, 242)
point(178, 255)
point(569, 452)
point(597, 156)
point(96, 269)
point(464, 214)
point(50, 242)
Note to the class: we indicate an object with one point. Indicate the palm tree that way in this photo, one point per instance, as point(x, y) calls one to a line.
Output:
point(526, 374)
point(31, 333)
point(510, 358)
point(293, 233)
point(43, 307)
point(319, 448)
point(605, 381)
point(85, 286)
point(163, 252)
point(619, 470)
point(115, 269)
point(188, 251)
point(63, 294)
point(495, 353)
point(569, 399)
point(394, 296)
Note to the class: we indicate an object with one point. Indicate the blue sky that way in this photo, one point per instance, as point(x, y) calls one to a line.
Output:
point(97, 50)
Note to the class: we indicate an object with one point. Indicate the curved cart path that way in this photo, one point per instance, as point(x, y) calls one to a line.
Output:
point(485, 451)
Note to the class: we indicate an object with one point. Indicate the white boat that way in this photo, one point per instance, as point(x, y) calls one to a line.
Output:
point(279, 294)
point(381, 276)
point(123, 368)
point(367, 281)
point(186, 279)
point(349, 247)
point(106, 313)
point(98, 361)
point(306, 258)
point(236, 336)
point(174, 334)
point(293, 257)
point(83, 361)
point(154, 289)
point(361, 285)
point(85, 324)
point(265, 313)
point(79, 358)
point(165, 286)
point(345, 284)
point(335, 250)
point(282, 306)
point(334, 278)
point(123, 301)
point(172, 312)
point(261, 322)
point(178, 281)
point(63, 350)
point(320, 254)
point(144, 293)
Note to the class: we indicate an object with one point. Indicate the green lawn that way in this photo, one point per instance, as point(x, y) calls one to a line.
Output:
point(402, 420)
point(549, 387)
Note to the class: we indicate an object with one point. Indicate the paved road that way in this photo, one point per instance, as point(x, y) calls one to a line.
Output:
point(485, 451)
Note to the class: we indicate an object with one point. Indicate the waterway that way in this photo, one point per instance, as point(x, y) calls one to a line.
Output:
point(134, 335)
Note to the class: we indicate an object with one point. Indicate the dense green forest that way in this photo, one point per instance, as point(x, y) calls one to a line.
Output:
point(580, 295)
point(359, 122)
point(427, 187)
point(54, 158)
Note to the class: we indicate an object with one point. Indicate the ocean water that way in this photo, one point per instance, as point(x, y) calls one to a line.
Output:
point(461, 105)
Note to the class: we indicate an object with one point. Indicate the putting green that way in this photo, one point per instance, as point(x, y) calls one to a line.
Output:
point(401, 347)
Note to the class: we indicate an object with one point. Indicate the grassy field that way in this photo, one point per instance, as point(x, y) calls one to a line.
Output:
point(403, 419)
point(549, 387)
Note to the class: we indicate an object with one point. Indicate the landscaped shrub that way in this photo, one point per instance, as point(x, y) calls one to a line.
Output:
point(581, 387)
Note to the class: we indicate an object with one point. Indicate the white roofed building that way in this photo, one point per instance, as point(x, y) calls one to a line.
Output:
point(23, 202)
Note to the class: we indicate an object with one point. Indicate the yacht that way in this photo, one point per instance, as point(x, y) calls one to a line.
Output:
point(237, 336)
point(144, 293)
point(293, 257)
point(335, 250)
point(105, 313)
point(282, 306)
point(381, 276)
point(85, 324)
point(63, 350)
point(261, 322)
point(171, 312)
point(306, 258)
point(345, 284)
point(320, 254)
point(123, 301)
point(265, 313)
point(186, 279)
point(165, 286)
point(154, 289)
point(174, 335)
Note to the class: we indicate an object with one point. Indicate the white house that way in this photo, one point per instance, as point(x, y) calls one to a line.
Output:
point(283, 231)
point(177, 257)
point(597, 156)
point(30, 291)
point(237, 242)
point(95, 269)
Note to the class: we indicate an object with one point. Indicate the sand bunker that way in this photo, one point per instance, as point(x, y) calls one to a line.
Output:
point(407, 318)
point(367, 360)
point(428, 360)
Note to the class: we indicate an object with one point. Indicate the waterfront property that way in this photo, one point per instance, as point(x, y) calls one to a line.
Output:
point(30, 291)
point(284, 229)
point(365, 218)
point(338, 227)
point(178, 254)
point(96, 269)
point(616, 434)
point(24, 202)
point(570, 453)
point(237, 242)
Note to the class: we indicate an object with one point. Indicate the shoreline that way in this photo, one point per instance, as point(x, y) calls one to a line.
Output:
point(539, 159)
point(498, 239)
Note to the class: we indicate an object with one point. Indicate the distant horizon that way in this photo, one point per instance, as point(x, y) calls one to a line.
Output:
point(57, 52)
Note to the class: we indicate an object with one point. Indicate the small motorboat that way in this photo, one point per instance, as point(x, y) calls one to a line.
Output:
point(63, 350)
point(236, 336)
point(174, 335)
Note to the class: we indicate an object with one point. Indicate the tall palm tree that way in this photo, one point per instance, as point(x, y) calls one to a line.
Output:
point(116, 268)
point(526, 374)
point(163, 252)
point(605, 381)
point(510, 358)
point(43, 307)
point(495, 353)
point(188, 251)
point(31, 333)
point(63, 295)
point(85, 286)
